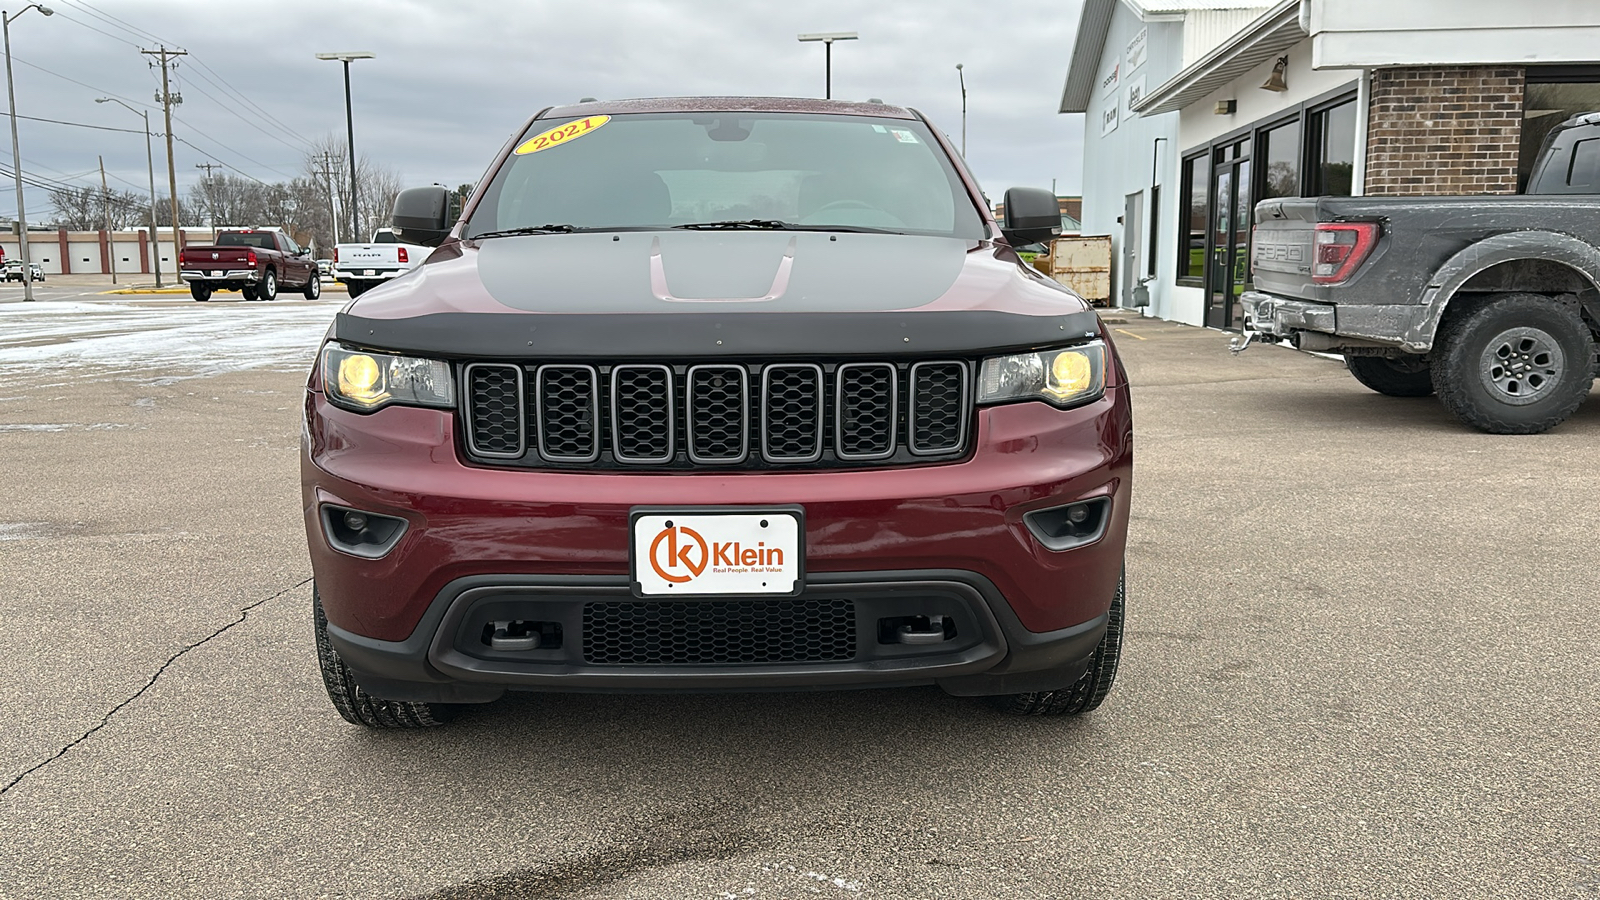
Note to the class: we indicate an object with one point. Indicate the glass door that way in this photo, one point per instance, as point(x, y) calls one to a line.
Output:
point(1228, 259)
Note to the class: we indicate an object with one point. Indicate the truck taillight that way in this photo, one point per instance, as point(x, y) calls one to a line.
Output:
point(336, 254)
point(1339, 248)
point(401, 251)
point(250, 259)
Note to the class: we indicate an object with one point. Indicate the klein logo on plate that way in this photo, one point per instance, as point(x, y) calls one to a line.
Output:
point(712, 553)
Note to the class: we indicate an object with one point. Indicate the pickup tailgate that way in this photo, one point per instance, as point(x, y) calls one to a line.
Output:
point(204, 258)
point(369, 259)
point(1283, 247)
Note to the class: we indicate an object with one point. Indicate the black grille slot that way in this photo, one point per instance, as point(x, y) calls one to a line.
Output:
point(938, 407)
point(718, 632)
point(642, 424)
point(568, 413)
point(867, 410)
point(791, 413)
point(717, 401)
point(494, 421)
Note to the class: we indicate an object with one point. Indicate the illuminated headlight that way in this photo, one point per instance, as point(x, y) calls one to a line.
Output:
point(365, 381)
point(1064, 377)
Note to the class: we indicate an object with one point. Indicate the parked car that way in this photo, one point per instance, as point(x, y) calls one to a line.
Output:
point(13, 270)
point(717, 394)
point(325, 267)
point(253, 262)
point(1490, 302)
point(362, 267)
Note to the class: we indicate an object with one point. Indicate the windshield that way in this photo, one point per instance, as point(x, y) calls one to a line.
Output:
point(761, 170)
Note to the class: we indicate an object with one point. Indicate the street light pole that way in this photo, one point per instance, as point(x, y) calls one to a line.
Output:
point(350, 128)
point(827, 38)
point(150, 166)
point(962, 75)
point(16, 151)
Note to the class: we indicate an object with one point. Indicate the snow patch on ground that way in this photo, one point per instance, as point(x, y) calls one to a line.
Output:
point(157, 345)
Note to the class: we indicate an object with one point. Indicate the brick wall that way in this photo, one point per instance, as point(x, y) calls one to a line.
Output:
point(1444, 130)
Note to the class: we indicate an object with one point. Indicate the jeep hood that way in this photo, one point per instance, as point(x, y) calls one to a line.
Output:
point(717, 293)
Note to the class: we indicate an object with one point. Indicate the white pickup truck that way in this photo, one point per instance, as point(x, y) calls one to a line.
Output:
point(361, 267)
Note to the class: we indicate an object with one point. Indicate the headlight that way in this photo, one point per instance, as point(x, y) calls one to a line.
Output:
point(365, 381)
point(1065, 377)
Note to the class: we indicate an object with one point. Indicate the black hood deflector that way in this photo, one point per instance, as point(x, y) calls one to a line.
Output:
point(603, 337)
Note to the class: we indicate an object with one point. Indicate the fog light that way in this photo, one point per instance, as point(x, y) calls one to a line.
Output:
point(1073, 525)
point(368, 535)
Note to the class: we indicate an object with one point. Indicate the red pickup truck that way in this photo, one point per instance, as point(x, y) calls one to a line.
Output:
point(252, 262)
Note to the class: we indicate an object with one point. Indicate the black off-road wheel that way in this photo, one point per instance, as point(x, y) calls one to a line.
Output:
point(314, 286)
point(356, 288)
point(355, 704)
point(1091, 688)
point(267, 287)
point(1403, 376)
point(1513, 363)
point(200, 292)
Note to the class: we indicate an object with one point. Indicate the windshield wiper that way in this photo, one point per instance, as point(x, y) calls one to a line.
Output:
point(526, 229)
point(766, 224)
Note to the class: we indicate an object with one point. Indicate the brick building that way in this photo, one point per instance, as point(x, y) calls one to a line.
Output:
point(1306, 98)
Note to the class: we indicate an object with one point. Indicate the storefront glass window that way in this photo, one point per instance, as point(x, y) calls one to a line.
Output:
point(1334, 144)
point(1280, 161)
point(1544, 106)
point(1192, 246)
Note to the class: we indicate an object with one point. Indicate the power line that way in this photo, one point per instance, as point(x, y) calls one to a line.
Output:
point(108, 34)
point(113, 21)
point(82, 125)
point(234, 168)
point(75, 81)
point(241, 117)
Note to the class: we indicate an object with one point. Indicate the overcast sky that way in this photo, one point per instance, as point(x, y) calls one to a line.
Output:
point(453, 79)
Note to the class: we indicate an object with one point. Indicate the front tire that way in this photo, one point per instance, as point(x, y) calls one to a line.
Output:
point(314, 287)
point(1090, 690)
point(1404, 376)
point(267, 288)
point(354, 703)
point(1513, 363)
point(200, 292)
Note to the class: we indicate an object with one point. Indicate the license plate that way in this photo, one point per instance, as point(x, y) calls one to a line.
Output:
point(370, 272)
point(715, 553)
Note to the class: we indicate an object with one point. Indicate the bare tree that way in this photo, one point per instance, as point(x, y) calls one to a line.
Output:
point(86, 208)
point(326, 169)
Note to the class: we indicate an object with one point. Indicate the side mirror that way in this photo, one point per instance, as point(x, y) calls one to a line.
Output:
point(422, 215)
point(1032, 216)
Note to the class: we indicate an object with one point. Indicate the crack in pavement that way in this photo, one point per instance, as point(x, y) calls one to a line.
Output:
point(244, 613)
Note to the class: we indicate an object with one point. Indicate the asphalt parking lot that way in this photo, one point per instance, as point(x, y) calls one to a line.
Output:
point(1360, 662)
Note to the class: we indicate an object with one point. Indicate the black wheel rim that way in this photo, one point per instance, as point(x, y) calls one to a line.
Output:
point(1521, 365)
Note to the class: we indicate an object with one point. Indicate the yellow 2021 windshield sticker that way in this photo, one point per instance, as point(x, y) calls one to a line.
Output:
point(561, 134)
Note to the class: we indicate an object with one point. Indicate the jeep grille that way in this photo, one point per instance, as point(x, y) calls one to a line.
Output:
point(740, 415)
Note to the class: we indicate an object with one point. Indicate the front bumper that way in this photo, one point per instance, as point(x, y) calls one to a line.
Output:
point(954, 530)
point(447, 660)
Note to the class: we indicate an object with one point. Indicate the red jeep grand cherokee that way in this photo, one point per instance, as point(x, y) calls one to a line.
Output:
point(717, 394)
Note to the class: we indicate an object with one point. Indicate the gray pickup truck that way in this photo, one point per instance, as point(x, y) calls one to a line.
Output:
point(1490, 302)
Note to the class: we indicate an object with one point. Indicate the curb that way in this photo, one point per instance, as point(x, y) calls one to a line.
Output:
point(148, 291)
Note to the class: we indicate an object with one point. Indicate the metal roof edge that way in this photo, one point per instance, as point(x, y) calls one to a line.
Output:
point(1093, 25)
point(1172, 96)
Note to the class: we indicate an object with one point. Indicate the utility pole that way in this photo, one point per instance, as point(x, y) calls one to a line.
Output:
point(211, 195)
point(111, 236)
point(166, 98)
point(150, 168)
point(327, 172)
